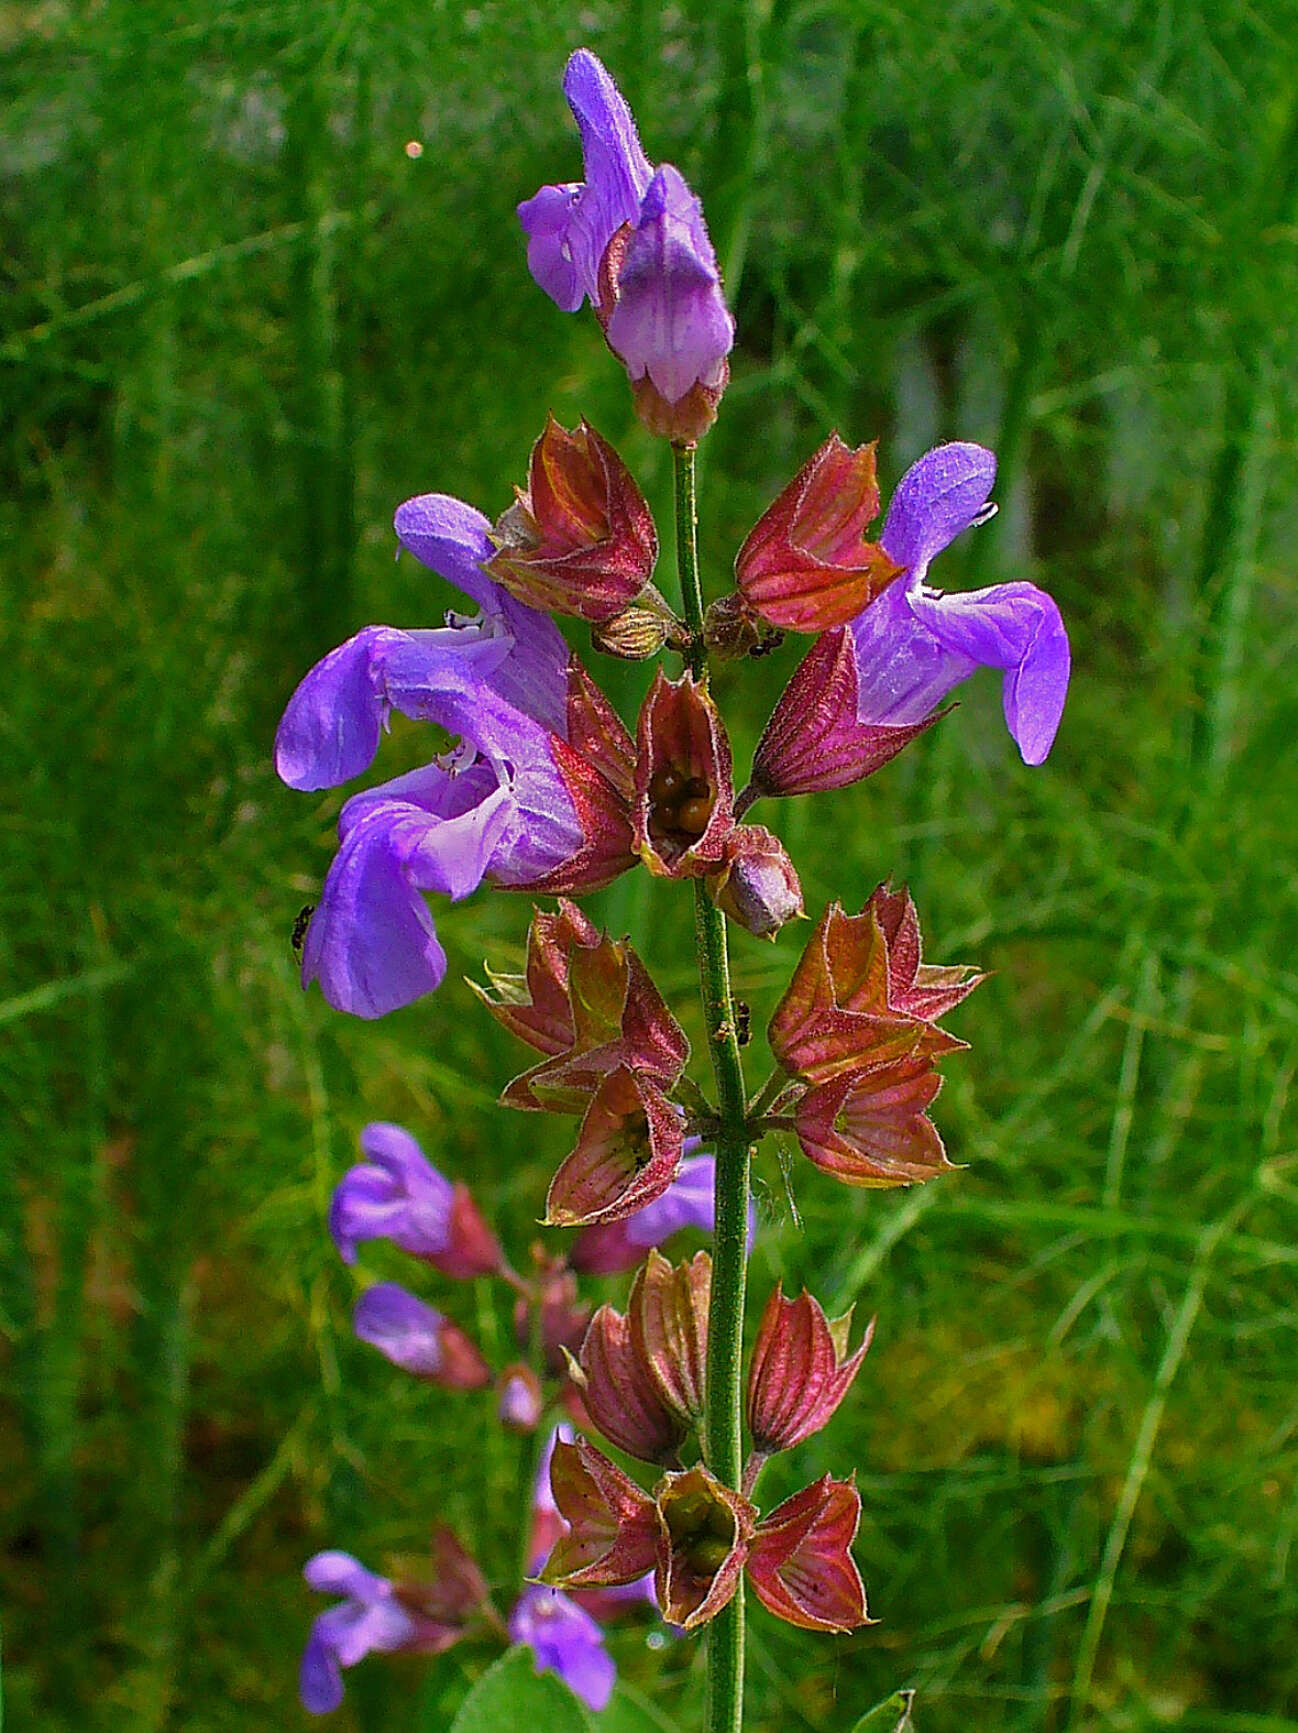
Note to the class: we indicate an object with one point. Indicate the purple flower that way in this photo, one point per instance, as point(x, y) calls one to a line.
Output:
point(399, 1196)
point(565, 1640)
point(570, 226)
point(418, 1339)
point(632, 240)
point(913, 644)
point(688, 1202)
point(370, 1618)
point(671, 320)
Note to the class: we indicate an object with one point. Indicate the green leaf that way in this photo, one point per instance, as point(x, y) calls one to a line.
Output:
point(511, 1695)
point(630, 1712)
point(892, 1716)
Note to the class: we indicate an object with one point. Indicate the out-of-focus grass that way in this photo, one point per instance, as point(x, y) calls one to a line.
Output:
point(241, 324)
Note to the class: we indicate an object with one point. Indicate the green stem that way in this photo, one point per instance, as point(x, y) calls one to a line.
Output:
point(687, 557)
point(724, 1431)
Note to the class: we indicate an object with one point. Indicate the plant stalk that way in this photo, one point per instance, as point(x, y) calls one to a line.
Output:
point(724, 1432)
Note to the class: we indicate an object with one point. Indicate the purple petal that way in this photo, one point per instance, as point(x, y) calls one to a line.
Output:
point(330, 729)
point(569, 226)
point(688, 1202)
point(402, 1328)
point(565, 1640)
point(546, 217)
point(533, 677)
point(451, 538)
point(1015, 627)
point(903, 671)
point(530, 668)
point(320, 1682)
point(671, 319)
point(338, 1573)
point(937, 497)
point(355, 1629)
point(616, 165)
point(372, 944)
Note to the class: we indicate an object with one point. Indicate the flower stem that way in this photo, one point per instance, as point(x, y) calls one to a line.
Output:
point(687, 557)
point(724, 1434)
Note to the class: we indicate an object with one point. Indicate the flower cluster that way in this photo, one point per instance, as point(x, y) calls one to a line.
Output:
point(643, 1377)
point(536, 783)
point(427, 1604)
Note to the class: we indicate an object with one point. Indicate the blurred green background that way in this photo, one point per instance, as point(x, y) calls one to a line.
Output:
point(241, 324)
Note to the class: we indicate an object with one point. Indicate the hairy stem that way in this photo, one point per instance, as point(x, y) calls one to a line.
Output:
point(724, 1433)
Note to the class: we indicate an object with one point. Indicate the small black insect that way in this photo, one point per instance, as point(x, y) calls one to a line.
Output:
point(300, 926)
point(765, 646)
point(743, 1022)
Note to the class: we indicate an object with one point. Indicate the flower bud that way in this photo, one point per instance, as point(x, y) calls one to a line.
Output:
point(805, 566)
point(418, 1339)
point(580, 540)
point(399, 1195)
point(704, 1535)
point(668, 1315)
point(641, 630)
point(670, 325)
point(800, 1562)
point(815, 739)
point(799, 1371)
point(756, 884)
point(622, 1397)
point(684, 799)
point(520, 1405)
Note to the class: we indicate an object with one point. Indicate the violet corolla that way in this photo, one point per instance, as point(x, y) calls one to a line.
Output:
point(398, 1195)
point(632, 240)
point(369, 1619)
point(565, 1640)
point(914, 644)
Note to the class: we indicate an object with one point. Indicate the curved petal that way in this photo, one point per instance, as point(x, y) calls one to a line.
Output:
point(320, 1681)
point(940, 495)
point(402, 1197)
point(372, 944)
point(402, 1328)
point(903, 670)
point(450, 537)
point(338, 1573)
point(615, 163)
point(569, 225)
point(545, 218)
point(1015, 627)
point(565, 1640)
point(330, 729)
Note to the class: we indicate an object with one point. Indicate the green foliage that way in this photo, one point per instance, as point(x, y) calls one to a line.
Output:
point(512, 1694)
point(892, 1716)
point(241, 324)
